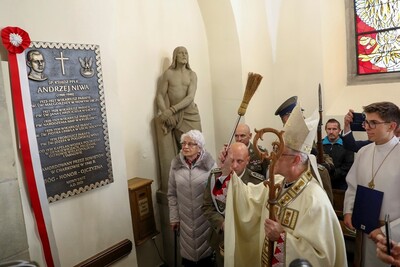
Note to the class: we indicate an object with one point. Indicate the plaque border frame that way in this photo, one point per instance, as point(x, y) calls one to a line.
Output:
point(99, 74)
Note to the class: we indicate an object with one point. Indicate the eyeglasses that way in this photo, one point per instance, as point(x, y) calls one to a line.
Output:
point(372, 124)
point(189, 144)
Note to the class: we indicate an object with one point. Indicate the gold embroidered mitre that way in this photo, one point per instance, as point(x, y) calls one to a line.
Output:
point(299, 132)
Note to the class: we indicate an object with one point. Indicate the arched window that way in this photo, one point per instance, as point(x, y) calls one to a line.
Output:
point(374, 41)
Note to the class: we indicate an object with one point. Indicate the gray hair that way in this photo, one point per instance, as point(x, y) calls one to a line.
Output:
point(303, 156)
point(196, 136)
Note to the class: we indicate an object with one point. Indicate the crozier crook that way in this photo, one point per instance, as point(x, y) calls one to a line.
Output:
point(270, 183)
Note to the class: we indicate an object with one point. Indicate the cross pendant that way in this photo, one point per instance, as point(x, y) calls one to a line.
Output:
point(371, 185)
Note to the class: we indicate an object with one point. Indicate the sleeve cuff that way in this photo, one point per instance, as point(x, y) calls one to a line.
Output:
point(344, 134)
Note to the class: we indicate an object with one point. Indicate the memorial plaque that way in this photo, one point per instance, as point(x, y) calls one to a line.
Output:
point(69, 114)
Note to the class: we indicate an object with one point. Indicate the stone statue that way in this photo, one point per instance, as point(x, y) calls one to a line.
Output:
point(177, 112)
point(175, 97)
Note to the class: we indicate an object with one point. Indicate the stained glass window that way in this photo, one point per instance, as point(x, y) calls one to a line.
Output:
point(377, 29)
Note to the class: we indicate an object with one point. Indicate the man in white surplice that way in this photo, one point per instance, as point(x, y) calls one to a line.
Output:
point(377, 166)
point(306, 227)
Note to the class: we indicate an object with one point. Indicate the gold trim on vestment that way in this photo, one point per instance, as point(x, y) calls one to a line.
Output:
point(287, 216)
point(285, 197)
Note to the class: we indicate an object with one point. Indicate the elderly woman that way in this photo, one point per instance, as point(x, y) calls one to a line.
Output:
point(187, 181)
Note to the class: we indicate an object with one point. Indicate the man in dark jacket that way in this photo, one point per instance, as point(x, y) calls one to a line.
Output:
point(217, 187)
point(342, 158)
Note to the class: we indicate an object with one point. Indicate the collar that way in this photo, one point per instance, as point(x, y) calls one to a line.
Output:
point(326, 141)
point(287, 185)
point(190, 163)
point(388, 145)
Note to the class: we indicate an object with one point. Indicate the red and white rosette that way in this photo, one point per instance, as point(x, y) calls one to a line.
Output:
point(16, 40)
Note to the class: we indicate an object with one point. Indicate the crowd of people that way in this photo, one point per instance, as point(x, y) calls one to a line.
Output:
point(208, 199)
point(245, 210)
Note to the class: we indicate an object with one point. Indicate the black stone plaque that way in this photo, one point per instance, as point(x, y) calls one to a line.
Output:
point(68, 104)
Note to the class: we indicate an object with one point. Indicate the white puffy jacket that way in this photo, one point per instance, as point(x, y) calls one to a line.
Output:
point(185, 197)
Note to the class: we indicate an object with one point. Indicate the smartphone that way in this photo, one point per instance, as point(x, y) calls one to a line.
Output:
point(358, 119)
point(388, 234)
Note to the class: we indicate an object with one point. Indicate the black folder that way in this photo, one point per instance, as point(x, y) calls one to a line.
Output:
point(367, 208)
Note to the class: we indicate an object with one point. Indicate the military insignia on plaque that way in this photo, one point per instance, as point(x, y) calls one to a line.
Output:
point(68, 104)
point(87, 70)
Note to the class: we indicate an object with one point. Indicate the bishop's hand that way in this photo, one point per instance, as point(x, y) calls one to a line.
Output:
point(273, 229)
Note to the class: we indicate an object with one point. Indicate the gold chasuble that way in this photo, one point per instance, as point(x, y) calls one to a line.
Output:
point(312, 230)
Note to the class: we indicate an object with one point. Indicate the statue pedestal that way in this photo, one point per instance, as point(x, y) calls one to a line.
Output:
point(170, 245)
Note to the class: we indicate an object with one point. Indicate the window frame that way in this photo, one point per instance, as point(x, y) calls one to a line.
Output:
point(352, 77)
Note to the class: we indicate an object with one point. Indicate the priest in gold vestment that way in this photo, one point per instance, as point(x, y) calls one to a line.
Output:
point(306, 225)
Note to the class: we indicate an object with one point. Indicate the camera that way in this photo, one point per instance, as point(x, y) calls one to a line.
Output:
point(358, 119)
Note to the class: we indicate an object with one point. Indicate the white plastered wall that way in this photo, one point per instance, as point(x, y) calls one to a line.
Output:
point(295, 46)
